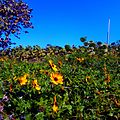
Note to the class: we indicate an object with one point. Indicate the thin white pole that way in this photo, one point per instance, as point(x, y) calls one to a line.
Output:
point(108, 33)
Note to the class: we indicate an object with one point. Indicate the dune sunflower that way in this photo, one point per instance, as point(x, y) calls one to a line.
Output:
point(53, 66)
point(35, 85)
point(87, 78)
point(55, 107)
point(56, 78)
point(80, 59)
point(23, 79)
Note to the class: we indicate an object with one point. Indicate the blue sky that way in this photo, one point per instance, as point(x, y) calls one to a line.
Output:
point(60, 22)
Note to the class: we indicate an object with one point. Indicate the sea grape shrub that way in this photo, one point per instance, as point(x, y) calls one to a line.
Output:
point(67, 48)
point(14, 15)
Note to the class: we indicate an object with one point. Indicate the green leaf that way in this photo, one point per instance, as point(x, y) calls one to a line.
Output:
point(28, 117)
point(1, 94)
point(40, 116)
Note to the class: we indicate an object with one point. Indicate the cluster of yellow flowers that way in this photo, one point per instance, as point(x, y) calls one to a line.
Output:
point(23, 80)
point(56, 78)
point(2, 59)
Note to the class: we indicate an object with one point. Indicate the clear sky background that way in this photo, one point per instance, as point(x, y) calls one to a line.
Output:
point(61, 22)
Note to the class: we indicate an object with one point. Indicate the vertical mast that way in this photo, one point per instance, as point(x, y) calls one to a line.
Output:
point(108, 32)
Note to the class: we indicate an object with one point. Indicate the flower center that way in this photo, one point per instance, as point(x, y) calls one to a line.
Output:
point(56, 79)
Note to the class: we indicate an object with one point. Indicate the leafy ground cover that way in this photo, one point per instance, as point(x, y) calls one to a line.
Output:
point(60, 83)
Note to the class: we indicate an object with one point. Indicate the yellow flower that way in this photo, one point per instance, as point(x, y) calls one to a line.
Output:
point(62, 88)
point(56, 78)
point(35, 85)
point(60, 63)
point(107, 79)
point(87, 78)
point(80, 59)
point(53, 66)
point(23, 79)
point(98, 92)
point(117, 102)
point(14, 78)
point(1, 59)
point(55, 107)
point(11, 87)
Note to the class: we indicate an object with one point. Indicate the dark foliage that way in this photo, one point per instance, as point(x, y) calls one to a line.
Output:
point(14, 15)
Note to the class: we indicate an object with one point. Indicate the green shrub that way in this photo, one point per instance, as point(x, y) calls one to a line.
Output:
point(70, 86)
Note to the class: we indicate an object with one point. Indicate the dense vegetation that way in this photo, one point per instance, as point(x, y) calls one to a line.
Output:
point(55, 83)
point(58, 83)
